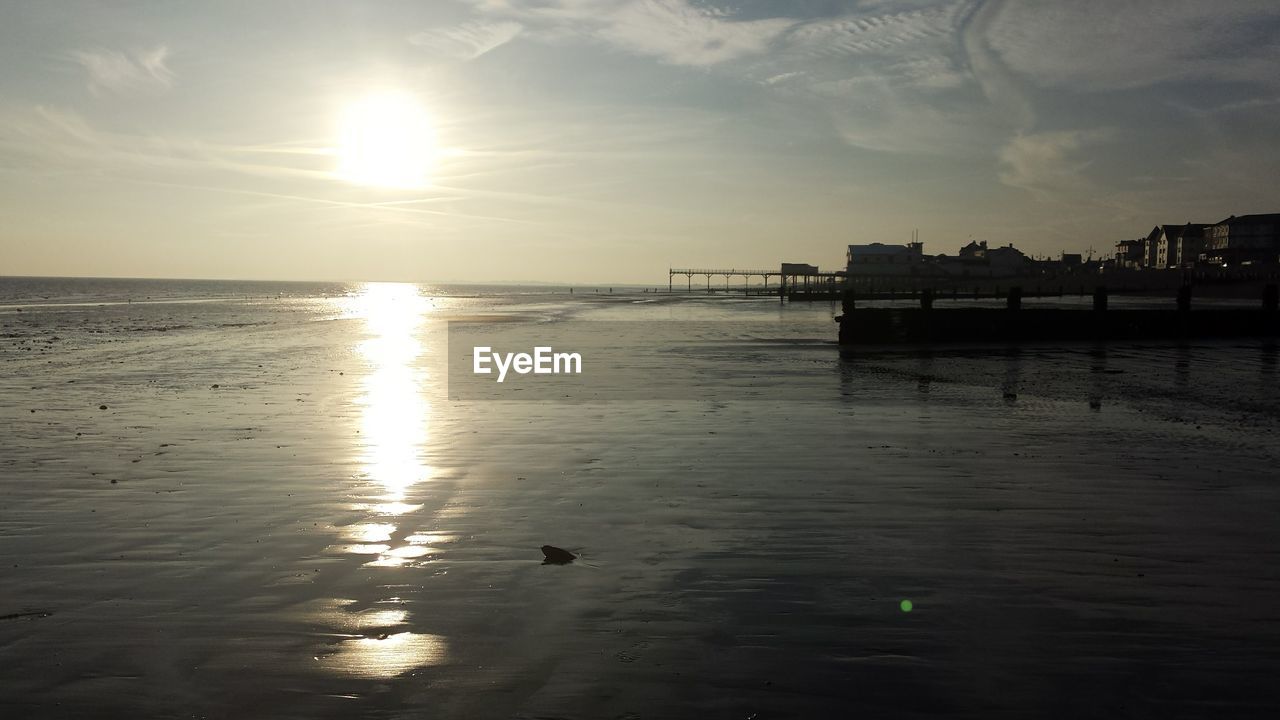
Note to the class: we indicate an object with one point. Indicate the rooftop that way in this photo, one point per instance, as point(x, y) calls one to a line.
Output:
point(1251, 219)
point(878, 249)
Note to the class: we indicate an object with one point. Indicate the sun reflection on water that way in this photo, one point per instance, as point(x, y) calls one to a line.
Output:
point(379, 645)
point(385, 656)
point(393, 430)
point(394, 417)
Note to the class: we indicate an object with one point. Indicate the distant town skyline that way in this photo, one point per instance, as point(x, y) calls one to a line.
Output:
point(604, 141)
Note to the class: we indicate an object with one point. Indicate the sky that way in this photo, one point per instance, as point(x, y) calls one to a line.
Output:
point(605, 141)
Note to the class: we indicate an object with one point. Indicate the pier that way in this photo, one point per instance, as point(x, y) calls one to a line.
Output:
point(795, 284)
point(1013, 323)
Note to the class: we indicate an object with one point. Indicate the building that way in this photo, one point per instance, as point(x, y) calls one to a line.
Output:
point(1007, 261)
point(977, 260)
point(974, 250)
point(881, 259)
point(1244, 239)
point(1129, 254)
point(1150, 244)
point(1189, 245)
point(799, 269)
point(1177, 245)
point(1166, 246)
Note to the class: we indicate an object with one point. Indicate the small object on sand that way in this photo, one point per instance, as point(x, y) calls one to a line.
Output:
point(556, 556)
point(215, 387)
point(102, 407)
point(30, 614)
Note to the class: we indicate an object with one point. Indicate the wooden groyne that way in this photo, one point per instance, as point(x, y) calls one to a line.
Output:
point(924, 324)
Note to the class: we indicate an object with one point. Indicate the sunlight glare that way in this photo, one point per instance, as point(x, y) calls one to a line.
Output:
point(386, 140)
point(395, 415)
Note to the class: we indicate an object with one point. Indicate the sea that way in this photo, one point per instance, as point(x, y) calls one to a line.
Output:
point(300, 500)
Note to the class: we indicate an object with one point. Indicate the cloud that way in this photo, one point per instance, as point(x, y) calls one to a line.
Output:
point(876, 112)
point(114, 71)
point(1002, 88)
point(53, 139)
point(676, 32)
point(878, 33)
point(1047, 162)
point(1107, 45)
point(468, 41)
point(886, 78)
point(781, 77)
point(929, 72)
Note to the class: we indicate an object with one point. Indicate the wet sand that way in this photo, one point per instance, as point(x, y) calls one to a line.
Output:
point(1081, 531)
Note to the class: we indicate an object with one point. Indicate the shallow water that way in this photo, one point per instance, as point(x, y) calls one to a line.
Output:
point(1081, 530)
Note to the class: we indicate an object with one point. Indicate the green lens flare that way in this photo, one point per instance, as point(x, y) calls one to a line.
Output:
point(906, 605)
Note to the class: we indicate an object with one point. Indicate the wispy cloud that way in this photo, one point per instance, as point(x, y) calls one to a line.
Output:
point(115, 71)
point(1105, 45)
point(888, 79)
point(1000, 87)
point(469, 40)
point(781, 77)
point(1048, 162)
point(52, 140)
point(875, 112)
point(57, 139)
point(676, 32)
point(870, 33)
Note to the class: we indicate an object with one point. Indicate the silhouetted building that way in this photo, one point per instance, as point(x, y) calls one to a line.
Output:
point(1007, 261)
point(792, 269)
point(974, 250)
point(1129, 254)
point(1244, 239)
point(978, 260)
point(881, 259)
point(1190, 244)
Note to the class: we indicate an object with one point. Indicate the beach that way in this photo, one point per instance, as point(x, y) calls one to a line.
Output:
point(260, 500)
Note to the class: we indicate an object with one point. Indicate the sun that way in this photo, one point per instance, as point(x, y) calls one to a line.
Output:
point(386, 140)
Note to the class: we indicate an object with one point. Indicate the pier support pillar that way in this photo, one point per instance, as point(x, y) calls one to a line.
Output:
point(1013, 300)
point(1184, 298)
point(1100, 298)
point(926, 299)
point(1270, 298)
